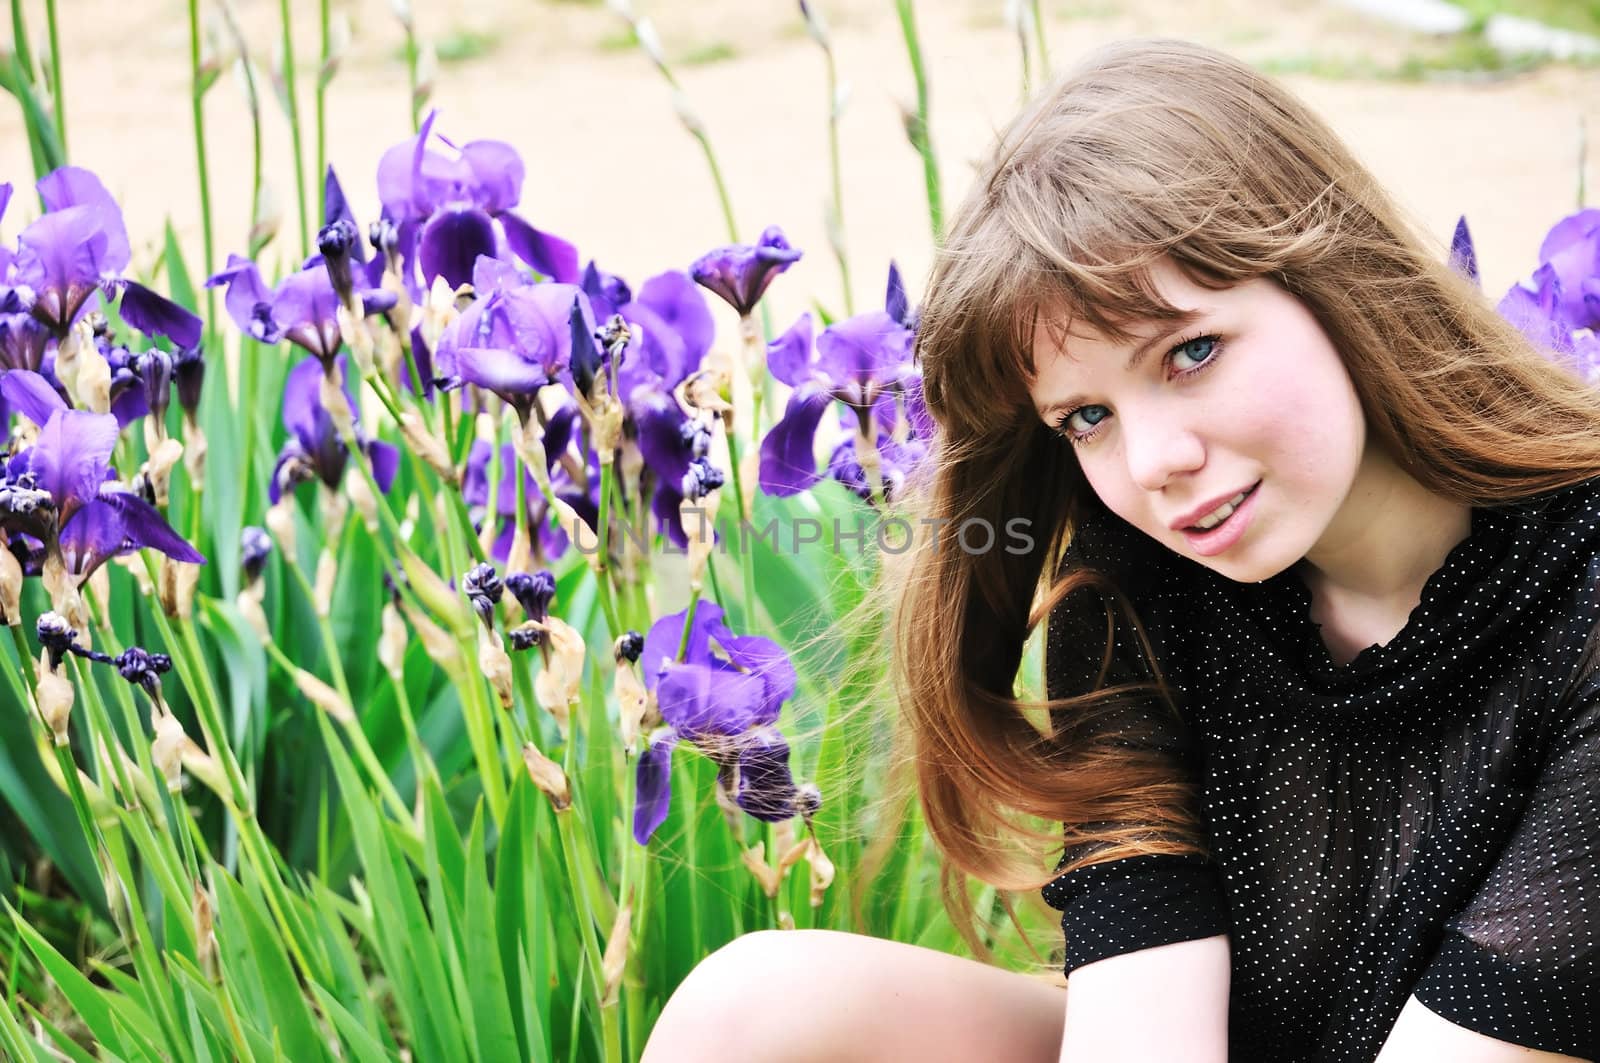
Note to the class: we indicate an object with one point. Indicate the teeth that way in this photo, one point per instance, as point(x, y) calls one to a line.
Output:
point(1221, 513)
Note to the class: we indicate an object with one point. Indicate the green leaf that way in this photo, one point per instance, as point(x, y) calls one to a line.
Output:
point(88, 1002)
point(491, 1007)
point(363, 1046)
point(179, 282)
point(246, 935)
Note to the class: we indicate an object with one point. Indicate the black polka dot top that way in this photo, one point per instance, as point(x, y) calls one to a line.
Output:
point(1422, 820)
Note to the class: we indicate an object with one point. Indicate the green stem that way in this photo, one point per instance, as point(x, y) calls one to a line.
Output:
point(352, 728)
point(291, 102)
point(58, 99)
point(836, 221)
point(917, 126)
point(322, 111)
point(1039, 41)
point(747, 567)
point(196, 95)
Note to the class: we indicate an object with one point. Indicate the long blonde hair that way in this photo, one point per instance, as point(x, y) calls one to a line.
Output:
point(1152, 149)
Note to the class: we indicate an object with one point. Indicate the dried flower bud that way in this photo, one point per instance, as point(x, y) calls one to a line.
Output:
point(205, 937)
point(10, 586)
point(632, 704)
point(324, 697)
point(548, 776)
point(821, 872)
point(427, 446)
point(628, 646)
point(495, 666)
point(755, 860)
point(280, 522)
point(249, 603)
point(392, 641)
point(615, 959)
point(178, 580)
point(322, 586)
point(167, 749)
point(558, 685)
point(54, 694)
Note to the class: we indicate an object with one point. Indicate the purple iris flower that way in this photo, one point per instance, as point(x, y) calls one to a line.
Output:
point(552, 541)
point(1537, 312)
point(516, 338)
point(303, 309)
point(453, 204)
point(62, 487)
point(1572, 251)
point(80, 246)
point(861, 361)
point(314, 449)
point(1463, 255)
point(740, 273)
point(725, 704)
point(23, 337)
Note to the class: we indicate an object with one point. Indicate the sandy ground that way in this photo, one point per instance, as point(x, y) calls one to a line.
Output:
point(610, 168)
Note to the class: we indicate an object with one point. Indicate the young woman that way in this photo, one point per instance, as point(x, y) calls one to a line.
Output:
point(1318, 540)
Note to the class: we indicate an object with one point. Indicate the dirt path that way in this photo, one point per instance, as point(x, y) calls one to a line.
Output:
point(610, 168)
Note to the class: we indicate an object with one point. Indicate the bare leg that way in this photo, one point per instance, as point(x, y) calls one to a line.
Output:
point(806, 996)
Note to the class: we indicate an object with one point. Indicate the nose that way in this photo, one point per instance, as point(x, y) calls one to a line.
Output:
point(1159, 444)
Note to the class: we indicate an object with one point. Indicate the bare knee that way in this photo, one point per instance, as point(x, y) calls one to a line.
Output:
point(730, 1004)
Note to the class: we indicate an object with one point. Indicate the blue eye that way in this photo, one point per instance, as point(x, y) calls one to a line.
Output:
point(1065, 424)
point(1206, 346)
point(1201, 352)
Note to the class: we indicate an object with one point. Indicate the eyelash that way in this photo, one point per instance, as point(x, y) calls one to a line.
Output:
point(1079, 439)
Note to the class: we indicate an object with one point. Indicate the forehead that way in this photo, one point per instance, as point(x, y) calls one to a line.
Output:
point(1153, 305)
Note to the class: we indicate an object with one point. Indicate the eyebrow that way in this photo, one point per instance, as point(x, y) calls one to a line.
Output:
point(1187, 319)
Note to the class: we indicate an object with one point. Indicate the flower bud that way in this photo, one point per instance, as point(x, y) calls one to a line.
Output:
point(440, 646)
point(143, 669)
point(249, 603)
point(280, 522)
point(548, 777)
point(255, 546)
point(324, 697)
point(483, 589)
point(158, 469)
point(427, 446)
point(178, 580)
point(632, 699)
point(392, 641)
point(353, 327)
point(755, 861)
point(615, 959)
point(821, 872)
point(337, 403)
point(167, 749)
point(10, 586)
point(54, 694)
point(495, 665)
point(559, 683)
point(322, 587)
point(533, 591)
point(205, 937)
point(189, 373)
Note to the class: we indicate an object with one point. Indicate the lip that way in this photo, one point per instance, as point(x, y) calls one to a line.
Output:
point(1224, 535)
point(1201, 510)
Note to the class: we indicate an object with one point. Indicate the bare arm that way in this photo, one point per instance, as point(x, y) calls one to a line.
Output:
point(1159, 1004)
point(1420, 1036)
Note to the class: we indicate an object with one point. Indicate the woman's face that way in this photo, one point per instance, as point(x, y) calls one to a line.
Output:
point(1247, 396)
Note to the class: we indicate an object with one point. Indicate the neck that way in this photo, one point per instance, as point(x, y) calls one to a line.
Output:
point(1388, 537)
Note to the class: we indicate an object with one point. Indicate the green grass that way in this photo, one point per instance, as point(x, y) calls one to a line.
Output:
point(1580, 16)
point(1466, 57)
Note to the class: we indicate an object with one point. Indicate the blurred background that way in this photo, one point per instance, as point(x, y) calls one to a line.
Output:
point(1453, 122)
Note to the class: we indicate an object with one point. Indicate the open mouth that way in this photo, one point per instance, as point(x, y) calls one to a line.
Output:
point(1227, 511)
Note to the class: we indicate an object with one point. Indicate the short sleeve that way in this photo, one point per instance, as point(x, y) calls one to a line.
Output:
point(1133, 902)
point(1521, 961)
